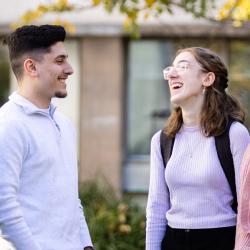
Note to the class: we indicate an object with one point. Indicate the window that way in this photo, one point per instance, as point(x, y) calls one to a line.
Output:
point(147, 93)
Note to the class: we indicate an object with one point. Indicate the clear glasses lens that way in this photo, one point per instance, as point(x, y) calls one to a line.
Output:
point(180, 67)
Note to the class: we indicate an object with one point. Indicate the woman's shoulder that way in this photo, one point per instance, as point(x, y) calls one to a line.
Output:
point(237, 129)
point(239, 137)
point(155, 140)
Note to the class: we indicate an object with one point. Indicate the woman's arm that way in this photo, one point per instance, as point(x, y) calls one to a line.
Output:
point(158, 198)
point(243, 219)
point(239, 140)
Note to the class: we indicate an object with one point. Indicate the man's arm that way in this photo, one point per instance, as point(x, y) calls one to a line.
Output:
point(13, 148)
point(85, 236)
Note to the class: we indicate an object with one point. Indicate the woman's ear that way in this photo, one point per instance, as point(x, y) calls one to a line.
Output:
point(208, 79)
point(29, 66)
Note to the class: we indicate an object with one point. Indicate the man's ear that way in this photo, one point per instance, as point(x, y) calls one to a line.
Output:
point(30, 68)
point(208, 79)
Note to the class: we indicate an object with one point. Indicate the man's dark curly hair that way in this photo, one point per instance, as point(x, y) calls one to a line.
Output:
point(32, 41)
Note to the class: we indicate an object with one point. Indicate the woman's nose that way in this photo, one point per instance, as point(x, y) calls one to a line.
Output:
point(172, 73)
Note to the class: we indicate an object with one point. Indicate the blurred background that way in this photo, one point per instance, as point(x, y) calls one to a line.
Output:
point(117, 97)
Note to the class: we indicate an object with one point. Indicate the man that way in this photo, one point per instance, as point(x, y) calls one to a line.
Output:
point(39, 204)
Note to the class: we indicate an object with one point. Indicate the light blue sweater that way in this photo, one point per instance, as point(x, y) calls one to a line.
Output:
point(39, 204)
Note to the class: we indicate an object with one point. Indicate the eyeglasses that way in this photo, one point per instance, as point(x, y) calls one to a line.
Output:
point(180, 67)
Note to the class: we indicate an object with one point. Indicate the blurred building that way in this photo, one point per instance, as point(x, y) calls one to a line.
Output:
point(117, 96)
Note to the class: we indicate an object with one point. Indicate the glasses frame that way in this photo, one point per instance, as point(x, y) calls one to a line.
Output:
point(179, 68)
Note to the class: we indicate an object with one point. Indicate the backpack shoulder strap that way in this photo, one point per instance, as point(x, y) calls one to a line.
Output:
point(167, 144)
point(222, 143)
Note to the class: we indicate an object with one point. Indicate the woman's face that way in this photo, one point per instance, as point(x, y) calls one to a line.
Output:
point(185, 79)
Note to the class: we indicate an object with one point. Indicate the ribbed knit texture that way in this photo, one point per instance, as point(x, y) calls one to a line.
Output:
point(243, 219)
point(198, 194)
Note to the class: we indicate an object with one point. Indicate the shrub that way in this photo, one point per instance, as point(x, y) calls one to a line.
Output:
point(114, 224)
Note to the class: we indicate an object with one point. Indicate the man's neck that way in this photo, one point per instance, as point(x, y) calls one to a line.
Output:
point(35, 99)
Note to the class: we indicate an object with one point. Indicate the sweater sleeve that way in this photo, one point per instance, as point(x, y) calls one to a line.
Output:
point(158, 198)
point(243, 220)
point(85, 236)
point(239, 140)
point(84, 231)
point(13, 148)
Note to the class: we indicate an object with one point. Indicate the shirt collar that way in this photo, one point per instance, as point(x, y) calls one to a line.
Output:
point(28, 107)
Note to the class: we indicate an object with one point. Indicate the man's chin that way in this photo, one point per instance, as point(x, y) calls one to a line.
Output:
point(61, 94)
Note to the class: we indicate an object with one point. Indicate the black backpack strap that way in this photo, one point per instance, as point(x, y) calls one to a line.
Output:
point(222, 143)
point(167, 144)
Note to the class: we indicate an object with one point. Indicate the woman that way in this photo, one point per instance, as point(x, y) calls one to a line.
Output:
point(189, 201)
point(243, 220)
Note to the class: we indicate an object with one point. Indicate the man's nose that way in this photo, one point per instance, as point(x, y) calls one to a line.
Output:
point(69, 70)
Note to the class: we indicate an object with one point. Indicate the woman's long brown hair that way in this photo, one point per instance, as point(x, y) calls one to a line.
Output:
point(219, 106)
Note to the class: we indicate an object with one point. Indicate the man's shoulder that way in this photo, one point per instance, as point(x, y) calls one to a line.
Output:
point(9, 109)
point(11, 116)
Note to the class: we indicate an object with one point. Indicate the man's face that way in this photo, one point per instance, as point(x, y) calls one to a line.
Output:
point(53, 71)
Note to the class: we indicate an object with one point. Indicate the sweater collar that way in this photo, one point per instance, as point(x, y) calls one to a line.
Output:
point(28, 107)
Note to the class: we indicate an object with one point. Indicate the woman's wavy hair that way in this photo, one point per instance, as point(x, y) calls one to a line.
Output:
point(219, 107)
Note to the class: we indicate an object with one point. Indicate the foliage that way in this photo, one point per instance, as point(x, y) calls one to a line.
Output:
point(131, 9)
point(4, 77)
point(237, 10)
point(58, 6)
point(114, 224)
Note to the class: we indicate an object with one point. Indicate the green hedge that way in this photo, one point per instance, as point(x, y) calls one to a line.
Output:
point(114, 224)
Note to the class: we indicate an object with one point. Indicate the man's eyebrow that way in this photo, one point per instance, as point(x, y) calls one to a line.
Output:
point(64, 56)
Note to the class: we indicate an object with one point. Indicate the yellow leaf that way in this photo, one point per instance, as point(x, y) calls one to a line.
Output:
point(237, 23)
point(239, 11)
point(150, 2)
point(127, 23)
point(67, 25)
point(96, 2)
point(146, 15)
point(42, 8)
point(62, 2)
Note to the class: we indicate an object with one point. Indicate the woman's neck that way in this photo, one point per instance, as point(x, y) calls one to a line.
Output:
point(191, 111)
point(191, 117)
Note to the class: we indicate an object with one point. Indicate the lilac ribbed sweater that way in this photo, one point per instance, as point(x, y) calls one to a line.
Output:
point(198, 190)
